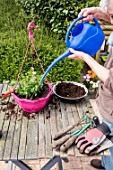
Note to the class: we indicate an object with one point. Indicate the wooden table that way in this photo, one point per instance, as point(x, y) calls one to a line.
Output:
point(28, 139)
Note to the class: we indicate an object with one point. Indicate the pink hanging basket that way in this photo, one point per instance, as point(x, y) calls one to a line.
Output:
point(33, 105)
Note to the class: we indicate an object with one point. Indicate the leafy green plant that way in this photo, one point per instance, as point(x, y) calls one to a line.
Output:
point(28, 85)
point(57, 15)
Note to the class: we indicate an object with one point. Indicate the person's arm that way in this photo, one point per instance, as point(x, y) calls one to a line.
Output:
point(99, 70)
point(98, 12)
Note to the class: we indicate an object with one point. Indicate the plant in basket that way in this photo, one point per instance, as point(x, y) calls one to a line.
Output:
point(28, 92)
point(28, 86)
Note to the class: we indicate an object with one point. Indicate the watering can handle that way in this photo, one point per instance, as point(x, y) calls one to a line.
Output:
point(70, 28)
point(31, 24)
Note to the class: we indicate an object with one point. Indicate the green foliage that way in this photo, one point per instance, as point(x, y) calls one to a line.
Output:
point(57, 15)
point(14, 41)
point(29, 84)
point(104, 58)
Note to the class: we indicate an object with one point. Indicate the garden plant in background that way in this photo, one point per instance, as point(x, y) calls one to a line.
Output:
point(91, 80)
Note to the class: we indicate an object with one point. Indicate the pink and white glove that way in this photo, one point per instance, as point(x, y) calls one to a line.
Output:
point(92, 139)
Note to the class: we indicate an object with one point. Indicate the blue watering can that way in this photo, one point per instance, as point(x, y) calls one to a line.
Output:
point(84, 37)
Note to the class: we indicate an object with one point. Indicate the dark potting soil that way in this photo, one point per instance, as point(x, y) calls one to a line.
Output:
point(43, 93)
point(69, 90)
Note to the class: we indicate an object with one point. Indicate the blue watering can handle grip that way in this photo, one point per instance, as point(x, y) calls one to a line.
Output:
point(69, 29)
point(96, 21)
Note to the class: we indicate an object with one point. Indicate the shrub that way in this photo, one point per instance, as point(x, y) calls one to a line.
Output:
point(57, 15)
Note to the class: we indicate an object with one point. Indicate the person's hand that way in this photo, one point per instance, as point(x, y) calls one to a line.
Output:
point(92, 139)
point(89, 13)
point(77, 55)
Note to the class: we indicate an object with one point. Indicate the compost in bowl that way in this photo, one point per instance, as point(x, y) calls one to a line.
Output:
point(70, 90)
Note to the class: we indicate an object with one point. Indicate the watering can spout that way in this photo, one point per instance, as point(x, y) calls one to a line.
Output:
point(62, 56)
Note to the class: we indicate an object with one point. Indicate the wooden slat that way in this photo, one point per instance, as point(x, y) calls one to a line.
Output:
point(64, 114)
point(23, 136)
point(10, 134)
point(48, 137)
point(107, 27)
point(53, 122)
point(4, 124)
point(59, 119)
point(80, 115)
point(41, 150)
point(71, 122)
point(90, 108)
point(31, 144)
point(3, 105)
point(16, 139)
point(54, 126)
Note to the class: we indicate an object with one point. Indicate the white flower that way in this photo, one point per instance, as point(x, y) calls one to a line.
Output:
point(98, 81)
point(84, 77)
point(33, 79)
point(17, 86)
point(34, 72)
point(95, 85)
point(91, 82)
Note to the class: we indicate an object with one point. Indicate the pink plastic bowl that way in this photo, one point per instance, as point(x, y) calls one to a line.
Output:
point(33, 105)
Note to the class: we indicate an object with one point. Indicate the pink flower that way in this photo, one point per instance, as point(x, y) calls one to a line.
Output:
point(25, 85)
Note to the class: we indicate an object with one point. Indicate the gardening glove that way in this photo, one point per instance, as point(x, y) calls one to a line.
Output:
point(92, 138)
point(106, 144)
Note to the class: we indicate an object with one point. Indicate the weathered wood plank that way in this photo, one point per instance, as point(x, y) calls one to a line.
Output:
point(16, 139)
point(31, 140)
point(48, 137)
point(79, 109)
point(55, 122)
point(23, 136)
point(90, 108)
point(71, 120)
point(3, 105)
point(41, 150)
point(10, 134)
point(4, 124)
point(60, 126)
point(59, 116)
point(65, 121)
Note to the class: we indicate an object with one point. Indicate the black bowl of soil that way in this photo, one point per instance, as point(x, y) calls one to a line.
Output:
point(70, 90)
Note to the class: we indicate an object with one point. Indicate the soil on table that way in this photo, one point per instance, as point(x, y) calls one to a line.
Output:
point(70, 90)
